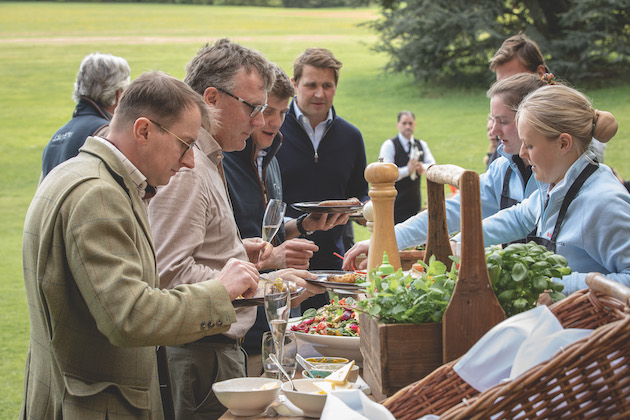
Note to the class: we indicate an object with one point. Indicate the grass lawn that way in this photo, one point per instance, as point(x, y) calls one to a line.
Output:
point(42, 44)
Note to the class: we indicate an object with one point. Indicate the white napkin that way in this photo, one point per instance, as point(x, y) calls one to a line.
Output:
point(353, 405)
point(537, 349)
point(514, 346)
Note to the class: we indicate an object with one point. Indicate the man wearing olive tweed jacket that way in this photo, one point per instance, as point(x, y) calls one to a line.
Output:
point(90, 270)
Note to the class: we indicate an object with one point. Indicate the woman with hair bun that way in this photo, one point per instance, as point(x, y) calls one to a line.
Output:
point(581, 210)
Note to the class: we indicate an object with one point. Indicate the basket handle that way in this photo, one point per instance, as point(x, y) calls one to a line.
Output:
point(599, 283)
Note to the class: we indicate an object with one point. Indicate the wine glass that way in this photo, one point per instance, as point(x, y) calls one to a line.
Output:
point(274, 213)
point(277, 307)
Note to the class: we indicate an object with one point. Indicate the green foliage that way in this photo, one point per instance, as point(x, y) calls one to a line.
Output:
point(451, 41)
point(402, 299)
point(521, 272)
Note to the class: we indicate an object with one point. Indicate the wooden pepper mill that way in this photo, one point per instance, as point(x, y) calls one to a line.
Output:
point(382, 177)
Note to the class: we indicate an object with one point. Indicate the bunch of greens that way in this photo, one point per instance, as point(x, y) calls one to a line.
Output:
point(521, 272)
point(403, 299)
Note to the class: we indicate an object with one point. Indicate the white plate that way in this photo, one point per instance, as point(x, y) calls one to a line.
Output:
point(331, 345)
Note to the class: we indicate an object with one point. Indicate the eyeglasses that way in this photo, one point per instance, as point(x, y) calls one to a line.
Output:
point(188, 145)
point(256, 109)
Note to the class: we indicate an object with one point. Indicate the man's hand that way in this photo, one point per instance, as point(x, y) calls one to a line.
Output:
point(259, 252)
point(298, 277)
point(324, 221)
point(239, 278)
point(350, 258)
point(294, 253)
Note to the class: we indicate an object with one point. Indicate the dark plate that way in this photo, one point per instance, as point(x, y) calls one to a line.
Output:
point(260, 301)
point(323, 274)
point(313, 207)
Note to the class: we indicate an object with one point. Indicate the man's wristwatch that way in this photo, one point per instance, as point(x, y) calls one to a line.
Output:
point(300, 227)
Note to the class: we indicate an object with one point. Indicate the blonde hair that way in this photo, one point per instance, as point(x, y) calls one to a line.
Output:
point(515, 88)
point(556, 109)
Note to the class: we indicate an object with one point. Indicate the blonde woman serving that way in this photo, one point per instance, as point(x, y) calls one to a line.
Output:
point(581, 210)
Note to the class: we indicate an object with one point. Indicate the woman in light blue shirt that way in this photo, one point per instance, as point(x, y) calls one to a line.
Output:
point(580, 210)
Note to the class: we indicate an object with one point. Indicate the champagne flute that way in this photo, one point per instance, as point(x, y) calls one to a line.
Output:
point(274, 213)
point(278, 307)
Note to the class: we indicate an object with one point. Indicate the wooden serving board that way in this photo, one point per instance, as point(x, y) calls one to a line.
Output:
point(473, 308)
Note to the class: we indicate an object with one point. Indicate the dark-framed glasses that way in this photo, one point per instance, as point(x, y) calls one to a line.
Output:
point(256, 109)
point(188, 145)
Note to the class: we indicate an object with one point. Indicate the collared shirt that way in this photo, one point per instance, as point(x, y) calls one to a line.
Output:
point(137, 177)
point(388, 152)
point(194, 228)
point(317, 134)
point(259, 163)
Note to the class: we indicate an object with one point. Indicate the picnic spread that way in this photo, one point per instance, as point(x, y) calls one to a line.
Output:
point(433, 341)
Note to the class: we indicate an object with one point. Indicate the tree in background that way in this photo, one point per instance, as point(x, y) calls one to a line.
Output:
point(451, 41)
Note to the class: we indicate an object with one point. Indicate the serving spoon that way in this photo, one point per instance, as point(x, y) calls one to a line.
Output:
point(277, 363)
point(305, 365)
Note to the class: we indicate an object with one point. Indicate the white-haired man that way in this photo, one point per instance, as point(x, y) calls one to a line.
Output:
point(100, 82)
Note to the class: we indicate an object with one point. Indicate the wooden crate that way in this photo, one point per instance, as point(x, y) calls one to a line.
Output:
point(410, 257)
point(396, 355)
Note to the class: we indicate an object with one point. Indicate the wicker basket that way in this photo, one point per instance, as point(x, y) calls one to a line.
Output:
point(588, 379)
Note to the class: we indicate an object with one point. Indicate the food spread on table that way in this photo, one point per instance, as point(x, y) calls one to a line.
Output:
point(337, 318)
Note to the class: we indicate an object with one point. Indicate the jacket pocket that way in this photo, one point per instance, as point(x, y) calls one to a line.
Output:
point(101, 395)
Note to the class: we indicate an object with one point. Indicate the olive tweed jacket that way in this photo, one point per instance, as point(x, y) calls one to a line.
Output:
point(95, 310)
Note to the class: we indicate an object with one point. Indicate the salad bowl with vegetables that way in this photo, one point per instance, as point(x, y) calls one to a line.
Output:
point(333, 330)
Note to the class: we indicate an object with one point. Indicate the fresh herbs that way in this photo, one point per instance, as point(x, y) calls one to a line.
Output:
point(403, 299)
point(521, 272)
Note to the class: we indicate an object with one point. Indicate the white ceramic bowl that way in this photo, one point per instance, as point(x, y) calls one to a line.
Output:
point(332, 346)
point(244, 396)
point(306, 396)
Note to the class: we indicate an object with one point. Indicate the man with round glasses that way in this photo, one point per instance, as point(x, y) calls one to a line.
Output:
point(194, 227)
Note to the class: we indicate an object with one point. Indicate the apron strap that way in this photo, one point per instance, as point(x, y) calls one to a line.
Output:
point(573, 190)
point(506, 201)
